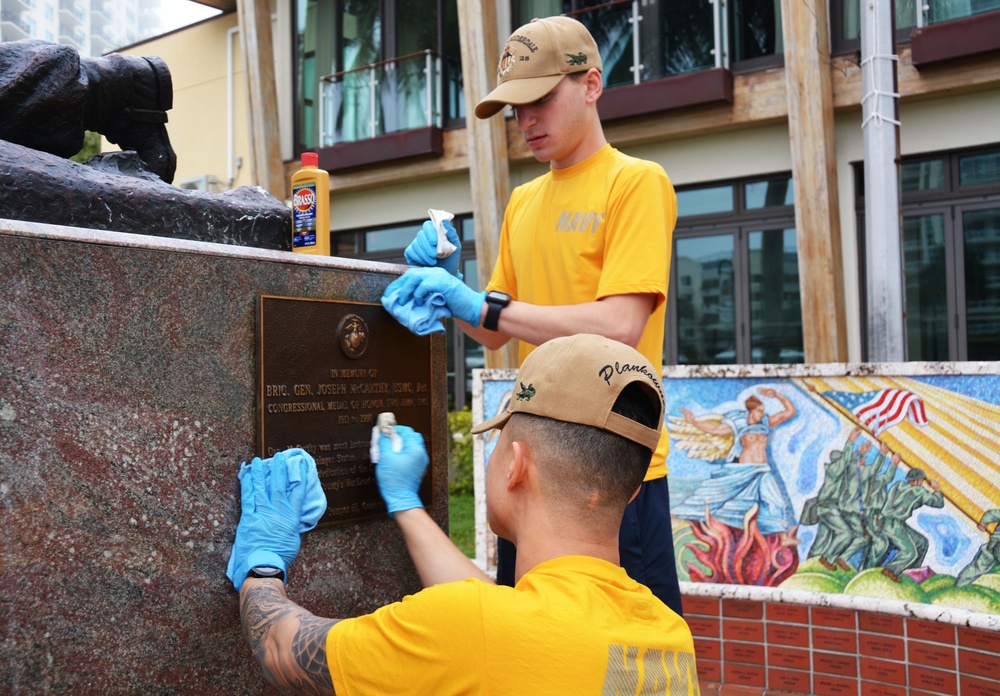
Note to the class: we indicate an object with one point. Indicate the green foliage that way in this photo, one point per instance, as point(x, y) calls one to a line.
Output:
point(462, 522)
point(91, 147)
point(460, 467)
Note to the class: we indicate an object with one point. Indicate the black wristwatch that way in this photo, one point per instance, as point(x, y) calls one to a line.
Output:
point(266, 572)
point(495, 301)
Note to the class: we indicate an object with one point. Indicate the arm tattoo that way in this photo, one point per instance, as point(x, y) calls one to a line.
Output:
point(292, 654)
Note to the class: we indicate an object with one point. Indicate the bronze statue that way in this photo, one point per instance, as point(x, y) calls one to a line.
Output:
point(50, 95)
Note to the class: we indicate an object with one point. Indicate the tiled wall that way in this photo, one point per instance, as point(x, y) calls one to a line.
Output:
point(748, 646)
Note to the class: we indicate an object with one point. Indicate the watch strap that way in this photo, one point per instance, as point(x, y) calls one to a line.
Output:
point(493, 307)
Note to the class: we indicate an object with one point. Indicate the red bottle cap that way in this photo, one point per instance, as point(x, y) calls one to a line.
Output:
point(310, 159)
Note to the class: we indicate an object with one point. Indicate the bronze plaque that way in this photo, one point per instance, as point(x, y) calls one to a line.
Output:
point(326, 370)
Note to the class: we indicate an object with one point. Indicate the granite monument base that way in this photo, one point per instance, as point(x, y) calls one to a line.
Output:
point(127, 401)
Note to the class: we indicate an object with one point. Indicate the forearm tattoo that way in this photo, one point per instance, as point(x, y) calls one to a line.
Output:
point(294, 657)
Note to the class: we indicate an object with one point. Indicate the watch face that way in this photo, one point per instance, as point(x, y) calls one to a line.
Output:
point(267, 571)
point(498, 297)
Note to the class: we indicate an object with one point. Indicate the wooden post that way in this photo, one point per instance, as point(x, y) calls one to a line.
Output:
point(489, 172)
point(814, 170)
point(263, 127)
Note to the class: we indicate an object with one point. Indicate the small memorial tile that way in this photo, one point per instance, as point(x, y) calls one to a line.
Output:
point(834, 641)
point(933, 680)
point(933, 631)
point(880, 623)
point(885, 647)
point(890, 671)
point(931, 654)
point(834, 618)
point(980, 663)
point(740, 629)
point(742, 609)
point(833, 663)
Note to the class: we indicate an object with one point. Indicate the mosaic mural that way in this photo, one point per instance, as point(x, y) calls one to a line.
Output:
point(873, 480)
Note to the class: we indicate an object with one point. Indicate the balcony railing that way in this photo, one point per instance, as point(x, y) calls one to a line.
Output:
point(386, 97)
point(18, 28)
point(643, 42)
point(936, 11)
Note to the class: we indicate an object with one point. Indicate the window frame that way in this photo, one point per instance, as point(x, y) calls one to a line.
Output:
point(740, 222)
point(397, 145)
point(951, 200)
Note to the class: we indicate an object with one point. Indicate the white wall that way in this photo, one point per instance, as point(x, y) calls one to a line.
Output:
point(398, 202)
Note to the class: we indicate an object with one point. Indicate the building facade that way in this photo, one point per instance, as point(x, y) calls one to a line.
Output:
point(92, 27)
point(769, 262)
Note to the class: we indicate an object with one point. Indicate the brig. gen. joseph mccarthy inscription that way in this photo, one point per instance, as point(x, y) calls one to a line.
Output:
point(326, 370)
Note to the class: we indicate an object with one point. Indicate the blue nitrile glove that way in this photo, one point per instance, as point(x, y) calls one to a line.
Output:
point(422, 319)
point(424, 247)
point(301, 467)
point(399, 473)
point(268, 532)
point(421, 285)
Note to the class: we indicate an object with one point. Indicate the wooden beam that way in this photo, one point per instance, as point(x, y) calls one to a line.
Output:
point(487, 145)
point(263, 126)
point(814, 169)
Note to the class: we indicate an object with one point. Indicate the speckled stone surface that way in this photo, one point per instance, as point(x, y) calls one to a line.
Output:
point(126, 404)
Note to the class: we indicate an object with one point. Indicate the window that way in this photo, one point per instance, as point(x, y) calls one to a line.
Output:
point(951, 253)
point(387, 244)
point(845, 24)
point(366, 68)
point(660, 38)
point(735, 280)
point(845, 19)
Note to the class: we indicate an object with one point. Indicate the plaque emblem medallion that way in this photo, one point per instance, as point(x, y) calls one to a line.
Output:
point(352, 333)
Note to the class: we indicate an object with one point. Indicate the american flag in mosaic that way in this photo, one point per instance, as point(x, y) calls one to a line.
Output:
point(881, 409)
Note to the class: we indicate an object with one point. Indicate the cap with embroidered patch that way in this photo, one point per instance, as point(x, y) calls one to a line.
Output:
point(536, 57)
point(577, 379)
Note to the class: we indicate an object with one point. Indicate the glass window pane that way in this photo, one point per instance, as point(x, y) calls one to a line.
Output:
point(756, 29)
point(926, 299)
point(611, 27)
point(775, 306)
point(390, 238)
point(770, 193)
point(687, 32)
point(922, 176)
point(979, 169)
point(403, 98)
point(470, 273)
point(345, 244)
point(706, 314)
point(906, 17)
point(529, 9)
point(981, 231)
point(944, 10)
point(717, 199)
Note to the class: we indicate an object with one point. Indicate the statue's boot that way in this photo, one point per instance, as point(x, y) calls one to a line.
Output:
point(127, 101)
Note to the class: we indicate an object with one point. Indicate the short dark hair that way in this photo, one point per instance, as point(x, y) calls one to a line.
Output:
point(590, 459)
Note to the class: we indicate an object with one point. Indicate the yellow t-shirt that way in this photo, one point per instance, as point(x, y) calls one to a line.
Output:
point(600, 228)
point(572, 625)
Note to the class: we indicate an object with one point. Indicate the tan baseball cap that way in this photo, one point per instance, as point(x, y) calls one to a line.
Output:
point(577, 379)
point(535, 58)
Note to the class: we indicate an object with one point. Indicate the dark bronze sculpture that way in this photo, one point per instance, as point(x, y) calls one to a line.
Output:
point(50, 95)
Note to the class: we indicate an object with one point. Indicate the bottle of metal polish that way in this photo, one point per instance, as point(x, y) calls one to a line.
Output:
point(311, 207)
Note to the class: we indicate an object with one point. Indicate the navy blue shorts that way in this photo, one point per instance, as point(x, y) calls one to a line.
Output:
point(645, 543)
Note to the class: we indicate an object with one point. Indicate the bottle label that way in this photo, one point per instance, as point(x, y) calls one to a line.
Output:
point(304, 215)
